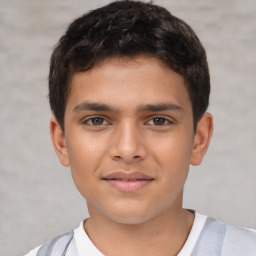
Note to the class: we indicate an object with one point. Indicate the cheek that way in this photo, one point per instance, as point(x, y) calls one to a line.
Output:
point(173, 151)
point(83, 149)
point(173, 157)
point(85, 156)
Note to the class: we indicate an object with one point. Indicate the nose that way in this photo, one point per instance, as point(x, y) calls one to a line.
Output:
point(127, 144)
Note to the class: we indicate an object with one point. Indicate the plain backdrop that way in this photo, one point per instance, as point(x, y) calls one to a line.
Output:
point(37, 196)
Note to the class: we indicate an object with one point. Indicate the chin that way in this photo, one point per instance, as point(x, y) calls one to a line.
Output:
point(130, 216)
point(130, 220)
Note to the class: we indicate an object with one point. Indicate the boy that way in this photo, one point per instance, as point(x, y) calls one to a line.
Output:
point(129, 88)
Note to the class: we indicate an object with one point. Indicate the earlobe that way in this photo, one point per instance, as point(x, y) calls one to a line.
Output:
point(58, 141)
point(202, 139)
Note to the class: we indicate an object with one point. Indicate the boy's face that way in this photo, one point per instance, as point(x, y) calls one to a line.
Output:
point(129, 138)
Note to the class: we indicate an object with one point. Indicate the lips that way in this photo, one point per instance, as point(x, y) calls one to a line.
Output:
point(128, 182)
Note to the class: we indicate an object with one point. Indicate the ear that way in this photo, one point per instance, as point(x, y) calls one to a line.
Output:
point(58, 141)
point(202, 139)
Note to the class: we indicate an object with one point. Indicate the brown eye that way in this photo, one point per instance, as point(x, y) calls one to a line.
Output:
point(159, 121)
point(97, 121)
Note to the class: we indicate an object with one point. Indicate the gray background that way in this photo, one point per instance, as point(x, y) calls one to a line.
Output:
point(38, 198)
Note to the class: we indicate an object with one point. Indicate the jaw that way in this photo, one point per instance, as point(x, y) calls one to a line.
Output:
point(134, 209)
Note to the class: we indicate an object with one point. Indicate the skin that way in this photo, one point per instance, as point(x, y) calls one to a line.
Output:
point(127, 136)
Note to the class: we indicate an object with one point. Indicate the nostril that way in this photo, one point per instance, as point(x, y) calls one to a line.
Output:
point(120, 157)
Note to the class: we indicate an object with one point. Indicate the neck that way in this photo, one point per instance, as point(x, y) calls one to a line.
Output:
point(161, 235)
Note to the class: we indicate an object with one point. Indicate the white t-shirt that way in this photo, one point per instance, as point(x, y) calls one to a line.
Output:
point(207, 237)
point(84, 244)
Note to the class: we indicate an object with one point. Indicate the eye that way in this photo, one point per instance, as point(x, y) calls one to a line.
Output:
point(159, 121)
point(95, 121)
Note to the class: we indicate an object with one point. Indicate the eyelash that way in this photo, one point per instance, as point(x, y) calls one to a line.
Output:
point(163, 120)
point(89, 121)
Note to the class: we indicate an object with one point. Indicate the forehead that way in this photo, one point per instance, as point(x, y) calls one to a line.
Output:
point(134, 81)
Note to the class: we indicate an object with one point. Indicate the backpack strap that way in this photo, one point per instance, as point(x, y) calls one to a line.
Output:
point(218, 238)
point(56, 246)
point(211, 239)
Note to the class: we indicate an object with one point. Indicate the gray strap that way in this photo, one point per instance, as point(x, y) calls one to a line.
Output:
point(211, 239)
point(63, 242)
point(66, 248)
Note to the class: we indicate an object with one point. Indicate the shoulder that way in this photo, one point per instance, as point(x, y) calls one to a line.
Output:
point(239, 240)
point(231, 232)
point(227, 239)
point(55, 246)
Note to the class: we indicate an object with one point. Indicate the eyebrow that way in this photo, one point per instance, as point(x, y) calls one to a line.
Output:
point(158, 107)
point(94, 106)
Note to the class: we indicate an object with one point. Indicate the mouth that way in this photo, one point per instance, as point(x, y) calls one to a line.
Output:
point(131, 182)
